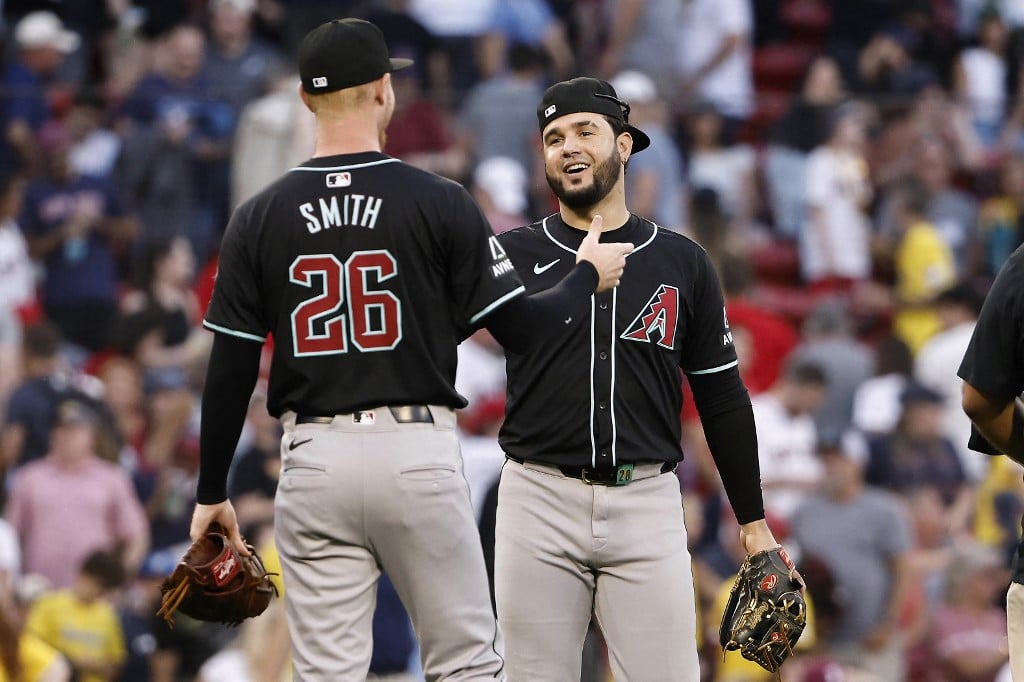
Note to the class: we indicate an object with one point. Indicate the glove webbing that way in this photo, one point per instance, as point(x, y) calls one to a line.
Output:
point(172, 600)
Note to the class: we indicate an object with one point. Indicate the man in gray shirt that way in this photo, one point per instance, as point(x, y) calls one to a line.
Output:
point(863, 535)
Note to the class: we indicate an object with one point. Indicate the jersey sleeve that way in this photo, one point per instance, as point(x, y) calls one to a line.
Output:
point(707, 345)
point(481, 275)
point(236, 306)
point(994, 361)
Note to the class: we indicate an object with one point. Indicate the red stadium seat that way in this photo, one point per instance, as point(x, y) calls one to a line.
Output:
point(778, 68)
point(807, 21)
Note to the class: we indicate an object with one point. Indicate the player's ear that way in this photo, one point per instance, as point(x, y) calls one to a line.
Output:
point(304, 96)
point(625, 145)
point(380, 88)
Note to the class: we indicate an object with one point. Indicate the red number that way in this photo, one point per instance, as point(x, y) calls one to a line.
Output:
point(321, 309)
point(376, 318)
point(318, 324)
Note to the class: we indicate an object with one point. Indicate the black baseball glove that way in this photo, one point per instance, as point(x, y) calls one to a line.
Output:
point(766, 613)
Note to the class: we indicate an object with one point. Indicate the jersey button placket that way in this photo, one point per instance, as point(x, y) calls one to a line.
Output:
point(603, 379)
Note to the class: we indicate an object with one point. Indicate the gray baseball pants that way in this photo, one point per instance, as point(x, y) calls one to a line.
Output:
point(365, 494)
point(565, 550)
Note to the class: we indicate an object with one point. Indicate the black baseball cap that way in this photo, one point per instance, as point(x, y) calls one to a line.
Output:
point(344, 53)
point(587, 95)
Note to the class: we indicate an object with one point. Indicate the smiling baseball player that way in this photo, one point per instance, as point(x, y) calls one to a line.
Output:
point(589, 516)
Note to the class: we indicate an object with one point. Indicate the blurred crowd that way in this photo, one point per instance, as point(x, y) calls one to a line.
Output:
point(855, 169)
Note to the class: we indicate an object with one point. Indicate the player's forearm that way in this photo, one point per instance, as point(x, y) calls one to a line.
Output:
point(732, 439)
point(230, 379)
point(527, 320)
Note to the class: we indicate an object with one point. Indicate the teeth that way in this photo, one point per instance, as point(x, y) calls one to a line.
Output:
point(577, 166)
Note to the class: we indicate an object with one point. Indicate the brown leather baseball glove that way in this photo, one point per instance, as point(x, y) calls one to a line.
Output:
point(213, 582)
point(766, 613)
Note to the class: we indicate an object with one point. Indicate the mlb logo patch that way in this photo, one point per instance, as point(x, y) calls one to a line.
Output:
point(550, 110)
point(339, 179)
point(364, 418)
point(320, 82)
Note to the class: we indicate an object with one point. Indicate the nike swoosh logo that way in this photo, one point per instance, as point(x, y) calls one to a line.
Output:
point(539, 269)
point(296, 443)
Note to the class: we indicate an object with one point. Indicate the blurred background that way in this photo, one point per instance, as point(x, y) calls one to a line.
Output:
point(855, 169)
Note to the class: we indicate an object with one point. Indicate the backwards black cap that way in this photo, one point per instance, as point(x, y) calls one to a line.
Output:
point(344, 53)
point(588, 95)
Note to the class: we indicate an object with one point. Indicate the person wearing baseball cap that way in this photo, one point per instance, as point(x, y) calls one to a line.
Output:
point(369, 272)
point(43, 44)
point(589, 516)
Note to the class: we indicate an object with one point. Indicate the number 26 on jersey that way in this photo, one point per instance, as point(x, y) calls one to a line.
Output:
point(346, 310)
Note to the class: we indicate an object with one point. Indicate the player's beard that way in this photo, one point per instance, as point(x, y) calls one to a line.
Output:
point(606, 174)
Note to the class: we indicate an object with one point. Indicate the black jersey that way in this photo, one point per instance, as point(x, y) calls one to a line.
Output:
point(609, 391)
point(367, 272)
point(994, 361)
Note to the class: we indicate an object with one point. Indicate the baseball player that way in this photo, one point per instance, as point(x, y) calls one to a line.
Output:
point(589, 516)
point(368, 272)
point(993, 374)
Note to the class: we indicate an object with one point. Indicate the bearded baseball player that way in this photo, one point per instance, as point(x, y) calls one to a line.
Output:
point(368, 272)
point(589, 516)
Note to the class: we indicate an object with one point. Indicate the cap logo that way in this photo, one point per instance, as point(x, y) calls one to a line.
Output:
point(550, 110)
point(320, 82)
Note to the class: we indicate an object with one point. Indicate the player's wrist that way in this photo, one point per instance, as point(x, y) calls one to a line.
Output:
point(211, 496)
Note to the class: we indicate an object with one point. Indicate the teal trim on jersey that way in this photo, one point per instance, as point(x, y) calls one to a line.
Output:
point(232, 332)
point(497, 304)
point(720, 368)
point(355, 165)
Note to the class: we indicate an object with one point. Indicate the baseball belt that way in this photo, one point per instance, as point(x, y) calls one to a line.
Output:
point(402, 414)
point(620, 475)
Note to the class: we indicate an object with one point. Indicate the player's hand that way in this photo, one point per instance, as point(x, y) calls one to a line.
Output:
point(608, 259)
point(756, 537)
point(222, 513)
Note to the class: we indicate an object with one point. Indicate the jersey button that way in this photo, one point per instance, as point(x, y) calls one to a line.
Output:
point(603, 405)
point(603, 355)
point(604, 453)
point(604, 306)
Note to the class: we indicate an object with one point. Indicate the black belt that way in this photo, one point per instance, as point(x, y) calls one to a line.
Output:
point(402, 414)
point(620, 475)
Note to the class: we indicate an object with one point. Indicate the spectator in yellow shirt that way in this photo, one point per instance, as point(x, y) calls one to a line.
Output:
point(924, 267)
point(23, 656)
point(81, 623)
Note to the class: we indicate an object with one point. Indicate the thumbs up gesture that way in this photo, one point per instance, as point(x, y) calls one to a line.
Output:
point(608, 259)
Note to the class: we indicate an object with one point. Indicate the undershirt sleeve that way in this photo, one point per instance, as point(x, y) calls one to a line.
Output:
point(728, 420)
point(230, 378)
point(527, 320)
